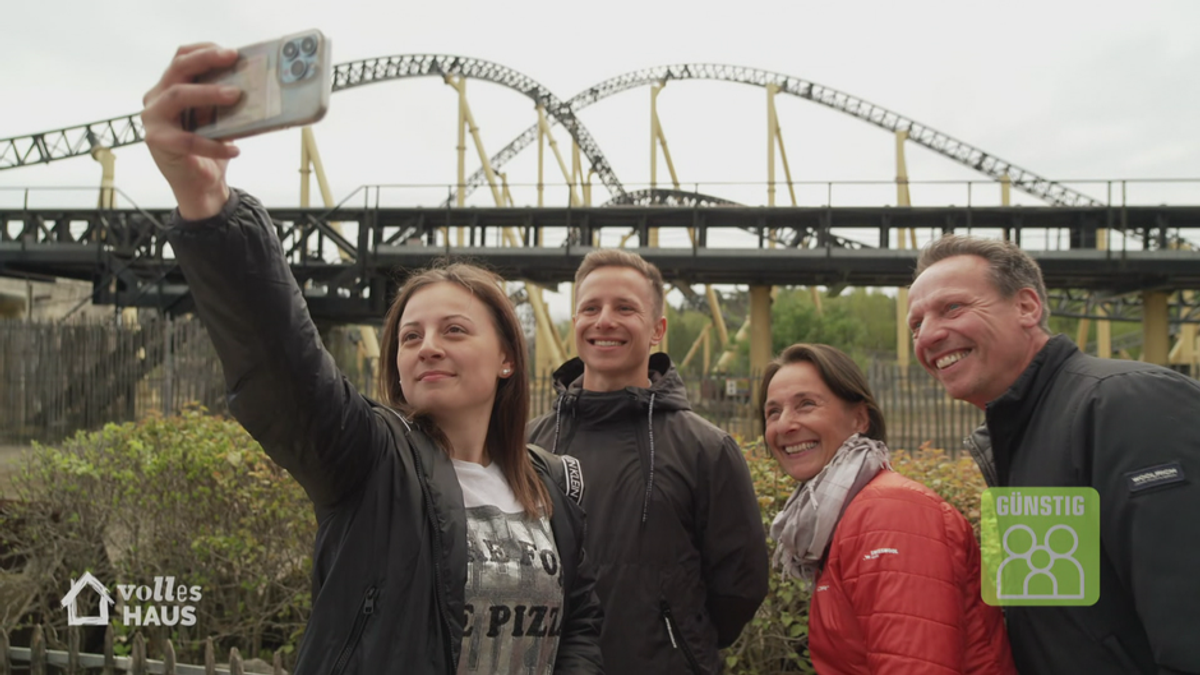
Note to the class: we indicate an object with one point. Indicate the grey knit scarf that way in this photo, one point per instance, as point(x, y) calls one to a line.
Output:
point(803, 528)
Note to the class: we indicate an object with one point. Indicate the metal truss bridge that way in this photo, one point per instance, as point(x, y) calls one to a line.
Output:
point(125, 254)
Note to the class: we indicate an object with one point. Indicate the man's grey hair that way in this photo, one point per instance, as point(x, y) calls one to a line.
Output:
point(1010, 268)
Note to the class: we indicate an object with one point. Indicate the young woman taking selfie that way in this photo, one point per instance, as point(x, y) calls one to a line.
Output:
point(444, 544)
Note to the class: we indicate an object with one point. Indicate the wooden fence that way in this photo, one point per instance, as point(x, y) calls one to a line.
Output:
point(37, 659)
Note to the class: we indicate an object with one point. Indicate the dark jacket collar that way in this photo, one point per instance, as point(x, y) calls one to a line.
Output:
point(665, 385)
point(603, 409)
point(1009, 415)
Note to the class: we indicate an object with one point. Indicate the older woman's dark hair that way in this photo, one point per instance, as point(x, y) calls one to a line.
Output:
point(839, 372)
point(505, 438)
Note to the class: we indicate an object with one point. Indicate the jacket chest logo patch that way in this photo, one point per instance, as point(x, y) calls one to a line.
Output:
point(875, 555)
point(574, 473)
point(1154, 476)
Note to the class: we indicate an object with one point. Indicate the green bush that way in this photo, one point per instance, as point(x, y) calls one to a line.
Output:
point(190, 496)
point(194, 497)
point(957, 479)
point(776, 640)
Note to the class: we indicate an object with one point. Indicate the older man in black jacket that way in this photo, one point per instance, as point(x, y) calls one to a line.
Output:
point(1058, 417)
point(674, 527)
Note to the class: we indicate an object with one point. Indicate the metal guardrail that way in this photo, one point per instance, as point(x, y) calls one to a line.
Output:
point(1111, 192)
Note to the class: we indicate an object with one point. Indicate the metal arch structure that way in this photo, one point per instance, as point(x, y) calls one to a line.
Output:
point(49, 146)
point(127, 130)
point(382, 69)
point(968, 155)
point(45, 147)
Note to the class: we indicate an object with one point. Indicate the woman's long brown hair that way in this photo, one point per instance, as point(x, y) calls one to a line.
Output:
point(505, 440)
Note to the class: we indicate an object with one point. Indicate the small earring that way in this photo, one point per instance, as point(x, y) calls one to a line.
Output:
point(505, 371)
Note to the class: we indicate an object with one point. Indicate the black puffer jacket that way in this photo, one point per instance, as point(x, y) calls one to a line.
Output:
point(391, 548)
point(1075, 420)
point(674, 527)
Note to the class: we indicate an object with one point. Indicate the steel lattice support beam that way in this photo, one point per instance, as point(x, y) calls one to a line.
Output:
point(381, 69)
point(73, 141)
point(1101, 306)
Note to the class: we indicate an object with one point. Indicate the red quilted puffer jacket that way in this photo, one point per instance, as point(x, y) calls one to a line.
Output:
point(899, 592)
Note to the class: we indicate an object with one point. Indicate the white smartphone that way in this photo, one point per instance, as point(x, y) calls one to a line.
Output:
point(284, 82)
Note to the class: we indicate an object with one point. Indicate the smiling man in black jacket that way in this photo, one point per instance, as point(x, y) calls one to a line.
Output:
point(674, 528)
point(1058, 417)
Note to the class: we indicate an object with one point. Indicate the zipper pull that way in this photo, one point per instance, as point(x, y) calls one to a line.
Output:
point(369, 605)
point(666, 615)
point(670, 633)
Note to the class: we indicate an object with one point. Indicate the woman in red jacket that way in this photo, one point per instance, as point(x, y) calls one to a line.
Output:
point(896, 568)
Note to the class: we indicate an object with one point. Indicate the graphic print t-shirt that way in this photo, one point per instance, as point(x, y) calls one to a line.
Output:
point(514, 595)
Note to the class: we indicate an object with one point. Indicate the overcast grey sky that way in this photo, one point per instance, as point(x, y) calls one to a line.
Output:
point(1070, 90)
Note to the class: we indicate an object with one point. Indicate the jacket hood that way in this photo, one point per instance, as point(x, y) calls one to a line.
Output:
point(664, 393)
point(665, 386)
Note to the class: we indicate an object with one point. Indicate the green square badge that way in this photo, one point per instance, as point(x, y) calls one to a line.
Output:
point(1040, 546)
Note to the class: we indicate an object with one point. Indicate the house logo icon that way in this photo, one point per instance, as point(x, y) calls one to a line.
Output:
point(68, 601)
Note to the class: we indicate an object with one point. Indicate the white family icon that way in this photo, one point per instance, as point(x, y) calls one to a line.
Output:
point(1062, 570)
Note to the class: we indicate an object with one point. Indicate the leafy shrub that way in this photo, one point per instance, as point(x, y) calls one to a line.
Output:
point(194, 497)
point(776, 639)
point(957, 479)
point(190, 496)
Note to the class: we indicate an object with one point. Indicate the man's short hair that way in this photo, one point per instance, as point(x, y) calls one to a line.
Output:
point(1010, 268)
point(615, 257)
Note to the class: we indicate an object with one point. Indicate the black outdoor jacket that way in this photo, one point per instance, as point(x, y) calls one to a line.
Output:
point(674, 527)
point(390, 561)
point(1076, 420)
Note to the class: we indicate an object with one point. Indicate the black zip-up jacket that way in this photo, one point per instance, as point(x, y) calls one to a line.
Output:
point(390, 561)
point(674, 527)
point(1076, 420)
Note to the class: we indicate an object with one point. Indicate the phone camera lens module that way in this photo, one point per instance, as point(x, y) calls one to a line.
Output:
point(290, 51)
point(298, 68)
point(309, 45)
